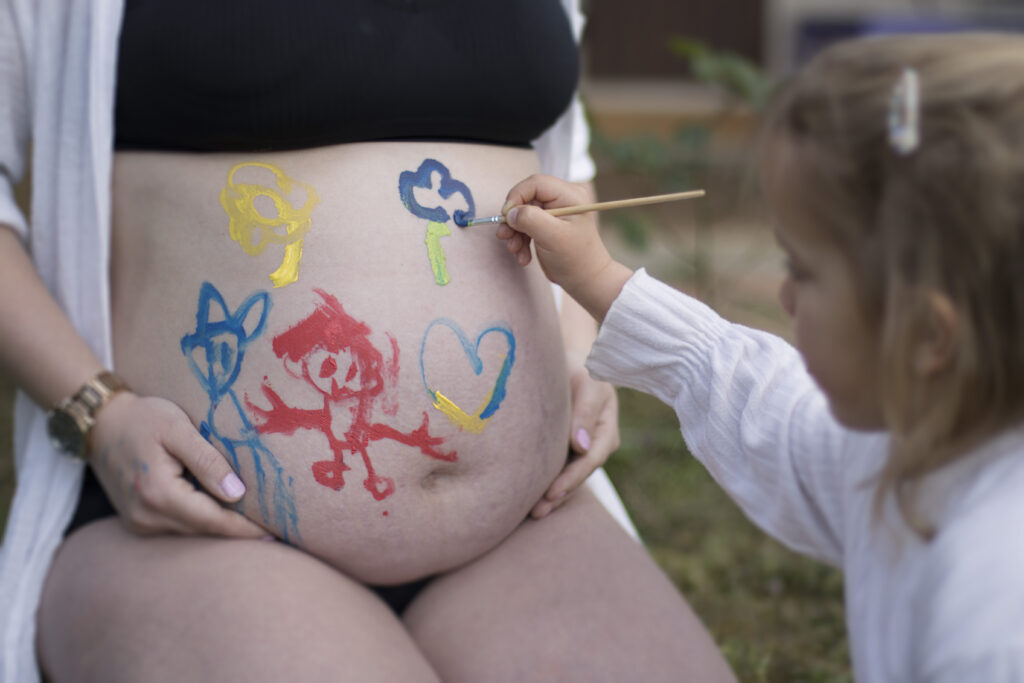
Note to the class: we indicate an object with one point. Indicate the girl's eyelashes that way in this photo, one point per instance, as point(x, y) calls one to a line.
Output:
point(794, 270)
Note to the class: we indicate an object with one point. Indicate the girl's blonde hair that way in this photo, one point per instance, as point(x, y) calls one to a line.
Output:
point(946, 217)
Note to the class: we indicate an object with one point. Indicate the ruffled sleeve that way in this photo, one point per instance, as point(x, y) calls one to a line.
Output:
point(748, 409)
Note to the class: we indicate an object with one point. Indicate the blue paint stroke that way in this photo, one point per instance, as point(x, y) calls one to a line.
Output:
point(472, 351)
point(421, 177)
point(224, 339)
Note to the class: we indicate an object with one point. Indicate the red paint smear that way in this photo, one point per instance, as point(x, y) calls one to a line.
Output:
point(329, 367)
point(330, 328)
point(390, 402)
point(351, 372)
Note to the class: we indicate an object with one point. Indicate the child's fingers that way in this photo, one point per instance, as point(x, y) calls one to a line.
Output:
point(515, 242)
point(545, 190)
point(536, 223)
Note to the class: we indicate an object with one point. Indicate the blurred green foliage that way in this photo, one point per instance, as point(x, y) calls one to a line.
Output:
point(687, 157)
point(733, 74)
point(777, 616)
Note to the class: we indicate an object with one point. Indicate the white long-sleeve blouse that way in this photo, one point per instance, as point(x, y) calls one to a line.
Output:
point(948, 610)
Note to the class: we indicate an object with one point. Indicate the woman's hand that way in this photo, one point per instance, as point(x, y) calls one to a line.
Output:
point(141, 448)
point(595, 434)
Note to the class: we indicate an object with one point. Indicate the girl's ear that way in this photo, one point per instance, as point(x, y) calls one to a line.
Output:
point(937, 345)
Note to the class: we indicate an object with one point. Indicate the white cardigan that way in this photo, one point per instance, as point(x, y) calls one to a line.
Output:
point(947, 611)
point(57, 73)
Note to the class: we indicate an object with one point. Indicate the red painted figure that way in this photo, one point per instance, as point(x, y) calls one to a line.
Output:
point(332, 351)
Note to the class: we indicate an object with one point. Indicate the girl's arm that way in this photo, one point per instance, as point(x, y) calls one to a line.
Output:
point(748, 411)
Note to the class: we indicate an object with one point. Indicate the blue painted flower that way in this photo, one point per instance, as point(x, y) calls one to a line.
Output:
point(408, 181)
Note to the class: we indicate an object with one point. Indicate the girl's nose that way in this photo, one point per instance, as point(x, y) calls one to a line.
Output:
point(787, 297)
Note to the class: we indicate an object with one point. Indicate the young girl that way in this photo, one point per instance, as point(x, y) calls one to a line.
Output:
point(890, 441)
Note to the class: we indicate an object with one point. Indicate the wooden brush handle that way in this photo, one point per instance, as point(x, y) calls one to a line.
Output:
point(623, 203)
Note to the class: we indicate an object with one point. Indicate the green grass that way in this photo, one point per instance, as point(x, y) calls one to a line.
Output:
point(776, 615)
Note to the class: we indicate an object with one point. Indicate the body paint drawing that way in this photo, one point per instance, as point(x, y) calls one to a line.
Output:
point(254, 231)
point(332, 352)
point(476, 421)
point(436, 185)
point(215, 351)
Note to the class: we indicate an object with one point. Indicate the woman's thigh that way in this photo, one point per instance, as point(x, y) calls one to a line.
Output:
point(570, 597)
point(117, 607)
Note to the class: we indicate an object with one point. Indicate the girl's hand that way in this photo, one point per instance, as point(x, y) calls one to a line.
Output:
point(141, 447)
point(595, 434)
point(569, 249)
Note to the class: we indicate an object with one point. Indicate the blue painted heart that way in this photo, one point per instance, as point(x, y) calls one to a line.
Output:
point(475, 421)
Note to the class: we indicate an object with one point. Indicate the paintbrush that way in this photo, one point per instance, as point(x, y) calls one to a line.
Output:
point(599, 206)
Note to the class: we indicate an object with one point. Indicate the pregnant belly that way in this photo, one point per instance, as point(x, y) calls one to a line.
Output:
point(390, 387)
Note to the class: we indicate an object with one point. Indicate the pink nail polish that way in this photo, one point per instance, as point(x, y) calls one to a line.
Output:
point(232, 486)
point(583, 438)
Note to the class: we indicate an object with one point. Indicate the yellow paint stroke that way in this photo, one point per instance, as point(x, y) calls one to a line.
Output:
point(465, 421)
point(254, 231)
point(438, 262)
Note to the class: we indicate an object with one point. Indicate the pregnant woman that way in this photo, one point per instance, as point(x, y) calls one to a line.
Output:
point(317, 414)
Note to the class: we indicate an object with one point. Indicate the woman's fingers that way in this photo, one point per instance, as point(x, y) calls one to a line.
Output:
point(570, 479)
point(144, 447)
point(595, 436)
point(207, 465)
point(195, 508)
point(201, 514)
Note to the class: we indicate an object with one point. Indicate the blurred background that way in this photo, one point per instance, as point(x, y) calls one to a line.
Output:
point(673, 89)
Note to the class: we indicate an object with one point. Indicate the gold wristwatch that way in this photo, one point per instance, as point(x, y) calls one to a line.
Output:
point(71, 421)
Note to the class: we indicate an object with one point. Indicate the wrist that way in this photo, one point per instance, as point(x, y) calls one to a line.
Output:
point(597, 290)
point(70, 423)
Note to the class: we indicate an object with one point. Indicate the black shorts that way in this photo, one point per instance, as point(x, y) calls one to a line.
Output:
point(94, 505)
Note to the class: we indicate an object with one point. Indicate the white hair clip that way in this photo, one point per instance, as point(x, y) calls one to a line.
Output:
point(905, 113)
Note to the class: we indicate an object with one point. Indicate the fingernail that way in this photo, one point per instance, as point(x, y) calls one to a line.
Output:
point(583, 439)
point(512, 217)
point(232, 486)
point(508, 207)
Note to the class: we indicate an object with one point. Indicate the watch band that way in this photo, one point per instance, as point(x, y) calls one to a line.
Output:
point(71, 422)
point(97, 391)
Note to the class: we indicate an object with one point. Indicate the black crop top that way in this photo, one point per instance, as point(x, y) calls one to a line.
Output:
point(252, 75)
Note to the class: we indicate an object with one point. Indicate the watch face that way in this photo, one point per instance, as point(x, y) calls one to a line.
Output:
point(65, 434)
